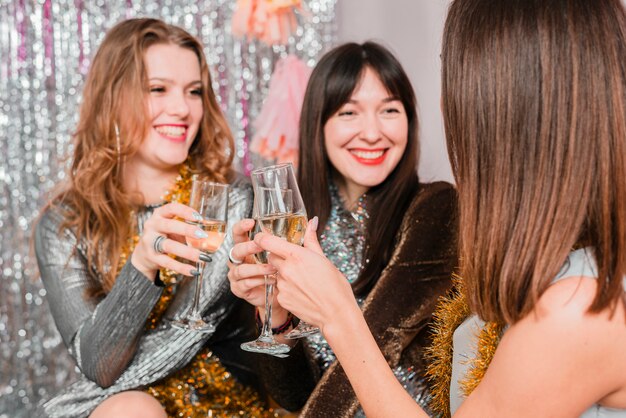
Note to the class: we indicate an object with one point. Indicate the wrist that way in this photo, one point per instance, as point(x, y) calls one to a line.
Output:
point(283, 326)
point(348, 319)
point(279, 314)
point(148, 272)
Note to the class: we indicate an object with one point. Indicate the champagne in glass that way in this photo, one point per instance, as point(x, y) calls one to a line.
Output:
point(210, 200)
point(287, 219)
point(286, 225)
point(265, 343)
point(216, 231)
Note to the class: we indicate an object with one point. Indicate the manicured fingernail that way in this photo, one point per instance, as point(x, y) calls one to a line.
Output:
point(196, 216)
point(194, 272)
point(205, 257)
point(200, 234)
point(314, 223)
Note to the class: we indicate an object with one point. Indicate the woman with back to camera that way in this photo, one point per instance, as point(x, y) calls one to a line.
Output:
point(393, 237)
point(106, 242)
point(534, 94)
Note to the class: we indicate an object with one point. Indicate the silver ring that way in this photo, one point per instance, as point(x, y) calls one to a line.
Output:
point(157, 245)
point(232, 259)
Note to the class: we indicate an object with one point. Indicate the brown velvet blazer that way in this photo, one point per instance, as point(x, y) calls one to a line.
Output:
point(398, 309)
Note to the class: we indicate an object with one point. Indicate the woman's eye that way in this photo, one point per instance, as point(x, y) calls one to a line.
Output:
point(392, 110)
point(196, 92)
point(346, 113)
point(157, 89)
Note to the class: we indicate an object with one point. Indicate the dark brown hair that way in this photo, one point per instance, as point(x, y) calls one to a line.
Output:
point(331, 85)
point(115, 94)
point(535, 117)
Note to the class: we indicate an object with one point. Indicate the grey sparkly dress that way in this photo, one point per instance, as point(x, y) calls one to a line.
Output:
point(107, 337)
point(397, 309)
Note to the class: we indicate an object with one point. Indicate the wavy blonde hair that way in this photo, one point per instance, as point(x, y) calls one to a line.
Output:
point(97, 208)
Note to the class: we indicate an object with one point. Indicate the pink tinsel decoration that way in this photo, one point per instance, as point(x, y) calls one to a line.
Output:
point(276, 127)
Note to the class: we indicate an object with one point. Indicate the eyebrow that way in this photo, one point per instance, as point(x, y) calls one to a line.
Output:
point(170, 81)
point(385, 100)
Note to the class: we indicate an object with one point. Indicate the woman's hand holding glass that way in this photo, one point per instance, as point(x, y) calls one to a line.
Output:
point(247, 279)
point(246, 284)
point(168, 222)
point(210, 200)
point(309, 285)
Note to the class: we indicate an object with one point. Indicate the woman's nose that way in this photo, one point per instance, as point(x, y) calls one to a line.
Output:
point(370, 131)
point(177, 105)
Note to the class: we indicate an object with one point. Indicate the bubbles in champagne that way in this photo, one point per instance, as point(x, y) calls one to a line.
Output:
point(287, 226)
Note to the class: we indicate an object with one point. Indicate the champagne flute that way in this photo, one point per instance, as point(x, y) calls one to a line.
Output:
point(287, 220)
point(210, 200)
point(266, 343)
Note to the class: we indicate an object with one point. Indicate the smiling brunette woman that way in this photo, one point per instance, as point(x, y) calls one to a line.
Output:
point(111, 244)
point(391, 236)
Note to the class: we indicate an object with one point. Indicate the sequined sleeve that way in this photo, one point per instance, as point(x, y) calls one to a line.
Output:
point(101, 335)
point(158, 352)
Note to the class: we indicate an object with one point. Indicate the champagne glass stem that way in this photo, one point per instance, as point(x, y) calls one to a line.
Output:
point(195, 314)
point(266, 332)
point(266, 342)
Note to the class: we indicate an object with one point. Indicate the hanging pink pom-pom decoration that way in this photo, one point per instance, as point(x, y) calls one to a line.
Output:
point(271, 21)
point(276, 127)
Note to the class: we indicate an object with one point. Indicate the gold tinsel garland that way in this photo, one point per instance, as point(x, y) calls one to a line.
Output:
point(449, 315)
point(203, 388)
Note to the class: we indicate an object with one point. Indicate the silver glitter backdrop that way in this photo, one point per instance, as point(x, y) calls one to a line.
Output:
point(45, 51)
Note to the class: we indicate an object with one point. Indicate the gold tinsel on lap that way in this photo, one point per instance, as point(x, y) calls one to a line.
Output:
point(452, 310)
point(203, 388)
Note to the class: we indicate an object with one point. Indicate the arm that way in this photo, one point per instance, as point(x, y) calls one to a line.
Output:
point(289, 381)
point(312, 288)
point(107, 337)
point(101, 335)
point(166, 349)
point(398, 310)
point(557, 361)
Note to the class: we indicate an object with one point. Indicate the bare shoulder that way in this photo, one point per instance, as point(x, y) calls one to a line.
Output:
point(560, 359)
point(567, 303)
point(595, 339)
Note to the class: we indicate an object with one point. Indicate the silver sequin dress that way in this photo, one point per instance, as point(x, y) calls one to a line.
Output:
point(107, 337)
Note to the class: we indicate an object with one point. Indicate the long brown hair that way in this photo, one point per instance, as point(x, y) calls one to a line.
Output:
point(114, 96)
point(331, 85)
point(534, 100)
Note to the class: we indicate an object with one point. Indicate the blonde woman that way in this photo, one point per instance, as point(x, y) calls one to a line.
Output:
point(111, 244)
